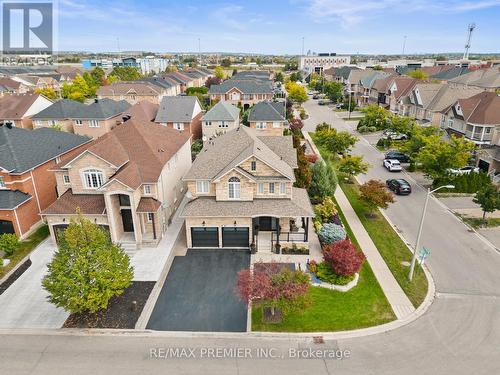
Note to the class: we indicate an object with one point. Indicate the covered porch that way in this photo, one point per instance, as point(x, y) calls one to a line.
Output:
point(272, 234)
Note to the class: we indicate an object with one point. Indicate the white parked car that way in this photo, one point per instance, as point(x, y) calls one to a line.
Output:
point(464, 170)
point(392, 165)
point(387, 134)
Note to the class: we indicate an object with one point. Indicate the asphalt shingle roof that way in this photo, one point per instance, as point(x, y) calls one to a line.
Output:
point(22, 149)
point(246, 86)
point(10, 199)
point(69, 109)
point(15, 106)
point(222, 111)
point(68, 203)
point(176, 109)
point(267, 111)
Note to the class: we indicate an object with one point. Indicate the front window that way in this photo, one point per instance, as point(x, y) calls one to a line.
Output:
point(223, 124)
point(487, 130)
point(276, 124)
point(450, 122)
point(66, 179)
point(202, 186)
point(261, 125)
point(234, 188)
point(2, 183)
point(94, 124)
point(93, 178)
point(79, 122)
point(208, 123)
point(271, 188)
point(282, 188)
point(260, 188)
point(147, 189)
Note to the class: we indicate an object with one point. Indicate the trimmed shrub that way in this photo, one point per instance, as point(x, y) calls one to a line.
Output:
point(343, 258)
point(363, 129)
point(326, 210)
point(323, 126)
point(465, 183)
point(331, 233)
point(9, 243)
point(325, 273)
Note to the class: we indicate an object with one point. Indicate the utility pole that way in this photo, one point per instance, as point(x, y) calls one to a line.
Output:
point(404, 45)
point(199, 50)
point(302, 46)
point(470, 29)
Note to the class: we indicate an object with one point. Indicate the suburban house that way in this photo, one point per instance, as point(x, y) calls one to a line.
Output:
point(144, 111)
point(171, 87)
point(12, 86)
point(241, 189)
point(353, 82)
point(27, 186)
point(18, 109)
point(133, 92)
point(475, 118)
point(340, 74)
point(427, 101)
point(182, 113)
point(486, 79)
point(92, 120)
point(128, 181)
point(367, 94)
point(268, 118)
point(263, 75)
point(245, 92)
point(397, 92)
point(220, 119)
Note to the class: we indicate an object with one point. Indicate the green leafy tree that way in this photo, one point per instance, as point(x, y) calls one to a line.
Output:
point(334, 141)
point(378, 67)
point(333, 90)
point(219, 72)
point(77, 90)
point(402, 124)
point(296, 92)
point(321, 183)
point(303, 175)
point(279, 77)
point(87, 269)
point(9, 243)
point(418, 74)
point(488, 197)
point(98, 75)
point(326, 209)
point(125, 73)
point(226, 63)
point(436, 156)
point(171, 68)
point(376, 117)
point(352, 165)
point(48, 92)
point(375, 195)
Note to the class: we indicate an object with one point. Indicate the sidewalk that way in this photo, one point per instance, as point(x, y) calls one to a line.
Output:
point(397, 298)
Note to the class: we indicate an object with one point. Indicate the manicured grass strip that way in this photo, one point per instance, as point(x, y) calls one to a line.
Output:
point(25, 247)
point(478, 223)
point(363, 306)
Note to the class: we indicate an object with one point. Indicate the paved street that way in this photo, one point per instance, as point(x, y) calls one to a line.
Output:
point(459, 334)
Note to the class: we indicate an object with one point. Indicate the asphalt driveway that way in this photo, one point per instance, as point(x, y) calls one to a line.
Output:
point(199, 293)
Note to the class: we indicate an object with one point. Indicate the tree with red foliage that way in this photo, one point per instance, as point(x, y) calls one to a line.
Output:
point(375, 194)
point(296, 124)
point(274, 286)
point(212, 81)
point(343, 257)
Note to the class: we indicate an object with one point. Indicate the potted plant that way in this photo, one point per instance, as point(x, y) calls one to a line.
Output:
point(277, 248)
point(253, 248)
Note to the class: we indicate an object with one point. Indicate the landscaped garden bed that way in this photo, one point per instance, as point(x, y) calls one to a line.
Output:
point(122, 312)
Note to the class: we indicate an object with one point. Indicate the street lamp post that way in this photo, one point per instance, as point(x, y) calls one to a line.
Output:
point(419, 235)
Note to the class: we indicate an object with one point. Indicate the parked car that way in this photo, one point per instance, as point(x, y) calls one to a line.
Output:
point(397, 155)
point(323, 102)
point(338, 105)
point(392, 165)
point(399, 186)
point(394, 136)
point(464, 170)
point(315, 96)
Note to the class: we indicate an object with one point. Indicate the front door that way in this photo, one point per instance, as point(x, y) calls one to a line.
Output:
point(267, 223)
point(128, 223)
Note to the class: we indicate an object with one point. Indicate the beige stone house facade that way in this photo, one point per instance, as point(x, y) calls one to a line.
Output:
point(268, 118)
point(128, 181)
point(244, 92)
point(220, 119)
point(242, 194)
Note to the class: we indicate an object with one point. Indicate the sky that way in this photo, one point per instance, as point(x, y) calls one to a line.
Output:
point(278, 26)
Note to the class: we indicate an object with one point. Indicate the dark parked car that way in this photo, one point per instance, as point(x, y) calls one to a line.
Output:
point(402, 158)
point(399, 186)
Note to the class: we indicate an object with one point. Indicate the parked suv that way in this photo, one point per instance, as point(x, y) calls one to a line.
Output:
point(397, 155)
point(399, 186)
point(464, 170)
point(392, 165)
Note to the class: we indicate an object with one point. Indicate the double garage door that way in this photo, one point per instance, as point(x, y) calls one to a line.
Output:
point(209, 237)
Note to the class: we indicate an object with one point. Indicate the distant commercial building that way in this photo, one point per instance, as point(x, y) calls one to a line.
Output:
point(145, 65)
point(322, 61)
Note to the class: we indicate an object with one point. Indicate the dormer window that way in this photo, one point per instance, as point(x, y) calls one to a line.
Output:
point(253, 165)
point(234, 188)
point(93, 178)
point(147, 189)
point(66, 179)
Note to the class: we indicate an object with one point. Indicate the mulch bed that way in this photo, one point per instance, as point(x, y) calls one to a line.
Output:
point(120, 312)
point(17, 273)
point(268, 317)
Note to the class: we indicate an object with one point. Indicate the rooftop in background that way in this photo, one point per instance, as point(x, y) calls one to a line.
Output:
point(15, 106)
point(222, 111)
point(483, 108)
point(267, 111)
point(22, 149)
point(177, 109)
point(100, 109)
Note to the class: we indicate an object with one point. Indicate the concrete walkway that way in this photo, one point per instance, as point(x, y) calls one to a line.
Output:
point(24, 304)
point(397, 298)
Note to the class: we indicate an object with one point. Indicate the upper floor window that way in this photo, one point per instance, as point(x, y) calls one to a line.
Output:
point(208, 123)
point(223, 124)
point(2, 183)
point(202, 186)
point(282, 188)
point(66, 179)
point(261, 125)
point(93, 124)
point(253, 165)
point(276, 124)
point(271, 188)
point(147, 189)
point(234, 188)
point(260, 188)
point(79, 122)
point(450, 122)
point(179, 125)
point(487, 130)
point(93, 178)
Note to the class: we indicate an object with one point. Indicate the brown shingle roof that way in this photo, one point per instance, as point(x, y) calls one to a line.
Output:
point(148, 205)
point(483, 108)
point(14, 107)
point(123, 88)
point(68, 203)
point(143, 111)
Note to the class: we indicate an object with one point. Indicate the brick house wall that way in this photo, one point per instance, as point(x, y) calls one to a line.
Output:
point(104, 126)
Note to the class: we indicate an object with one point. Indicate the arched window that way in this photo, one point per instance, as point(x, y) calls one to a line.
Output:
point(93, 178)
point(234, 188)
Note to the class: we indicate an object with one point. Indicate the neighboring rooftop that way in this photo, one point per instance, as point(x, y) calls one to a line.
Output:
point(100, 109)
point(10, 199)
point(68, 203)
point(177, 109)
point(484, 78)
point(22, 149)
point(143, 111)
point(222, 111)
point(246, 86)
point(128, 88)
point(15, 106)
point(267, 111)
point(483, 108)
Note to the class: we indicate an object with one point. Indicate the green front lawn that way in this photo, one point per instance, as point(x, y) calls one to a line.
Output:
point(478, 223)
point(363, 306)
point(25, 247)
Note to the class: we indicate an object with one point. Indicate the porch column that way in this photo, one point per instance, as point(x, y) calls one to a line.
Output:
point(278, 231)
point(307, 230)
point(154, 226)
point(135, 220)
point(111, 217)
